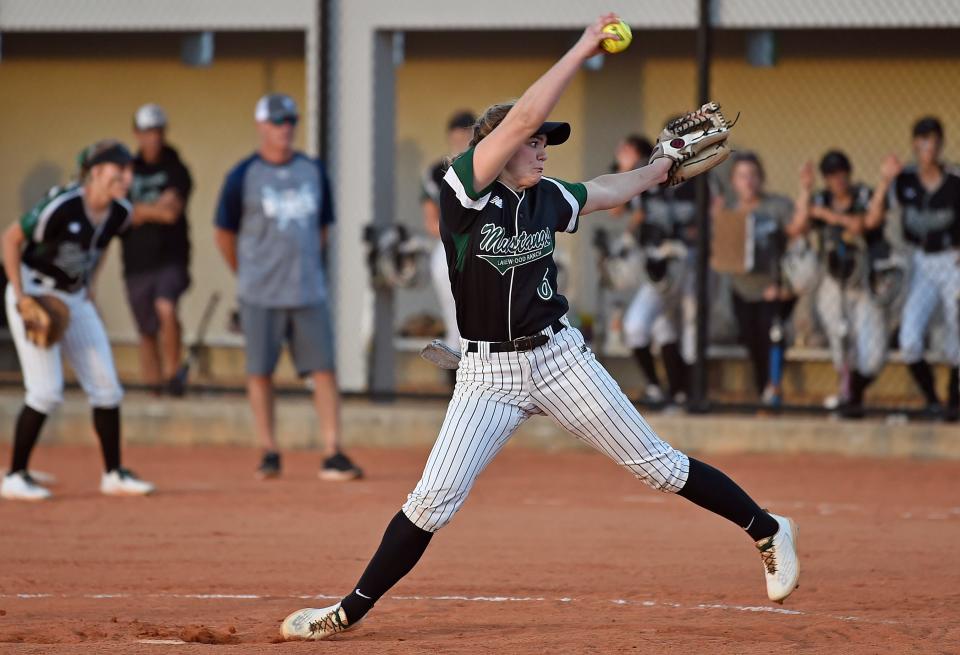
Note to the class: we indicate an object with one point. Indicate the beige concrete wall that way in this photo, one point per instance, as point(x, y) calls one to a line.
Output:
point(428, 92)
point(856, 89)
point(60, 93)
point(860, 91)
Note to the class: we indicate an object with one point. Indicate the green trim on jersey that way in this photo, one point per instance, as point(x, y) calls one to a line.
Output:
point(463, 166)
point(461, 242)
point(577, 189)
point(30, 220)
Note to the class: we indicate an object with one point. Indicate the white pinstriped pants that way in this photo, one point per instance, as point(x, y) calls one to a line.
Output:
point(496, 392)
point(935, 280)
point(85, 345)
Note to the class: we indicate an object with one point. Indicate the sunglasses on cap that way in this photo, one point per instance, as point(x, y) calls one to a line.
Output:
point(291, 120)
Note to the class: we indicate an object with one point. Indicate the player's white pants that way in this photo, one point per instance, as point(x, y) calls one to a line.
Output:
point(84, 344)
point(935, 279)
point(440, 275)
point(496, 392)
point(867, 336)
point(646, 319)
point(652, 317)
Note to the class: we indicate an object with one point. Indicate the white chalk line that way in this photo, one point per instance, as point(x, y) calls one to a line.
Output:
point(818, 508)
point(477, 599)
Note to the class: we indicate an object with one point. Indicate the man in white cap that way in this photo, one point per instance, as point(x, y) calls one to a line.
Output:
point(271, 226)
point(156, 251)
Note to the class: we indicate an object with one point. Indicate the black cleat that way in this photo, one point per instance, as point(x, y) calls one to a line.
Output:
point(269, 466)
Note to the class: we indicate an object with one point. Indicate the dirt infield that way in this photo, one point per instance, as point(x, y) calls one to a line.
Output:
point(553, 553)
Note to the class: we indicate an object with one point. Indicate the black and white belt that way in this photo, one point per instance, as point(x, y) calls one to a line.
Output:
point(521, 344)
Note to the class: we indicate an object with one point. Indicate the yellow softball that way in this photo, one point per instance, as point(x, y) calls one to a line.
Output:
point(622, 30)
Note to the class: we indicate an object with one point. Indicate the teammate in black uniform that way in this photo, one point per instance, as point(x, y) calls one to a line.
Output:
point(663, 308)
point(55, 249)
point(459, 131)
point(156, 251)
point(520, 357)
point(850, 314)
point(927, 196)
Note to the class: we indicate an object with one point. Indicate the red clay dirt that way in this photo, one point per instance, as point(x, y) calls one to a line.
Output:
point(553, 553)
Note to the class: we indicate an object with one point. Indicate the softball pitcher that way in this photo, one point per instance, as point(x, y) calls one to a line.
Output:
point(927, 196)
point(520, 357)
point(54, 251)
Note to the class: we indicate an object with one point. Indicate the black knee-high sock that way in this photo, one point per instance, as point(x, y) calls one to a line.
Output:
point(645, 361)
point(107, 424)
point(674, 364)
point(25, 437)
point(401, 548)
point(923, 376)
point(713, 490)
point(858, 385)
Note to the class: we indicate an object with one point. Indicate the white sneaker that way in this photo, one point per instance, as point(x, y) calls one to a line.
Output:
point(315, 624)
point(20, 486)
point(653, 394)
point(123, 482)
point(781, 566)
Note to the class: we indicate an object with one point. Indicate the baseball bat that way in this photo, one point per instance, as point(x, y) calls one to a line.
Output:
point(776, 349)
point(193, 352)
point(775, 370)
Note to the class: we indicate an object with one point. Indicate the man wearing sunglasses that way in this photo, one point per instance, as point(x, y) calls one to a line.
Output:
point(271, 226)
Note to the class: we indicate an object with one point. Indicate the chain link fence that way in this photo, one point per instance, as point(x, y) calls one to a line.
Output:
point(834, 271)
point(825, 293)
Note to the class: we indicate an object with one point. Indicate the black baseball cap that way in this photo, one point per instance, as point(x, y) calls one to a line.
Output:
point(555, 132)
point(101, 152)
point(462, 120)
point(928, 125)
point(835, 161)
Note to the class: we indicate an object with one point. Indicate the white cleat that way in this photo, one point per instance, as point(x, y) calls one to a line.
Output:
point(781, 565)
point(123, 482)
point(315, 624)
point(20, 486)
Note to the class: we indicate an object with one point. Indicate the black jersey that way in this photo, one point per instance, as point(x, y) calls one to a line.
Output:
point(669, 213)
point(840, 253)
point(151, 246)
point(63, 244)
point(499, 246)
point(931, 220)
point(431, 180)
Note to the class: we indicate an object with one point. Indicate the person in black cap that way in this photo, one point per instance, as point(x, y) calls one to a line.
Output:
point(459, 132)
point(927, 195)
point(55, 250)
point(520, 356)
point(848, 311)
point(156, 251)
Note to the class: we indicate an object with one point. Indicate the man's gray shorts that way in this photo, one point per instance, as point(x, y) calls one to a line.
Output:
point(307, 329)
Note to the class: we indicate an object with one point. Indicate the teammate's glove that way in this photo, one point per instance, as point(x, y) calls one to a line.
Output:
point(694, 142)
point(45, 319)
